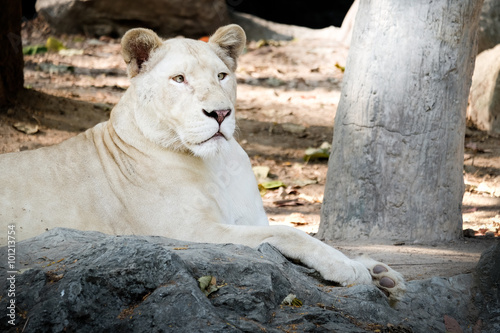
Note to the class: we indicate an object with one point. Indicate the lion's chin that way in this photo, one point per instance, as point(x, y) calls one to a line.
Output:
point(211, 147)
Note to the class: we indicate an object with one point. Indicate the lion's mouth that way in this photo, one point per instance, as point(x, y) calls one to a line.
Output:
point(216, 135)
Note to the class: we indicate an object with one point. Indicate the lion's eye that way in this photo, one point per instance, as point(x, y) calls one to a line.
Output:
point(178, 78)
point(222, 76)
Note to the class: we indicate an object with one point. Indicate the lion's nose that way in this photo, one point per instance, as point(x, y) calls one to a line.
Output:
point(218, 115)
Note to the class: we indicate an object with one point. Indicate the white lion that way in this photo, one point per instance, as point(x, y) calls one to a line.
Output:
point(166, 164)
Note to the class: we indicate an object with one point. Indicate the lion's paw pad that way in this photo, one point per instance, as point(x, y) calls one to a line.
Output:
point(385, 278)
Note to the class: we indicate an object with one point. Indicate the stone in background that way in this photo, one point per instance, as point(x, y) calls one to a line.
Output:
point(168, 18)
point(483, 111)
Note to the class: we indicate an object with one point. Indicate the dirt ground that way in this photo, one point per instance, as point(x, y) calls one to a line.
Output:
point(287, 97)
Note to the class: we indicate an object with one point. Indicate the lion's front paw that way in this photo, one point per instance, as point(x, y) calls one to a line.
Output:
point(346, 272)
point(385, 278)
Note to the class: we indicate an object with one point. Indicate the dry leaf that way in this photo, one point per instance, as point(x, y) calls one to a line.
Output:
point(287, 202)
point(311, 199)
point(54, 45)
point(260, 172)
point(208, 284)
point(322, 152)
point(292, 300)
point(304, 182)
point(272, 185)
point(26, 127)
point(452, 325)
point(296, 218)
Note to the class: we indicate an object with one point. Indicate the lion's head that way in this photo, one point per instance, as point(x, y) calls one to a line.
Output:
point(185, 89)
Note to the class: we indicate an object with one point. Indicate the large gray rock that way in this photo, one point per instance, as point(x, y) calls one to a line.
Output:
point(489, 25)
point(90, 282)
point(167, 17)
point(483, 111)
point(488, 281)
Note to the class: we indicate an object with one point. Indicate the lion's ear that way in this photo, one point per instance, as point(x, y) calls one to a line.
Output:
point(137, 45)
point(229, 42)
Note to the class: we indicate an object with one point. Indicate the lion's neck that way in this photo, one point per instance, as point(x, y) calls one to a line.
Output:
point(123, 122)
point(126, 135)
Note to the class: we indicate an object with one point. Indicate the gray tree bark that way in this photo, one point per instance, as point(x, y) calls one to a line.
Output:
point(395, 172)
point(11, 56)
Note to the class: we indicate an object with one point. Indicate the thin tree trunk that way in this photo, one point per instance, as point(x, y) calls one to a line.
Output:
point(11, 56)
point(395, 172)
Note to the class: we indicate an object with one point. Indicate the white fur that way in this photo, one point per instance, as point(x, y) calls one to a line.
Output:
point(153, 169)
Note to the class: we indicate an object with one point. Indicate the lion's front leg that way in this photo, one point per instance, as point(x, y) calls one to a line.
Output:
point(332, 264)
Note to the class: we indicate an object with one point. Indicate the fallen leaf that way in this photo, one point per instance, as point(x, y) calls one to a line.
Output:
point(311, 199)
point(291, 300)
point(51, 68)
point(53, 277)
point(296, 218)
point(289, 202)
point(260, 172)
point(54, 262)
point(281, 193)
point(262, 191)
point(26, 127)
point(304, 182)
point(272, 185)
point(474, 147)
point(70, 52)
point(275, 82)
point(451, 325)
point(486, 189)
point(34, 49)
point(54, 45)
point(208, 284)
point(293, 128)
point(322, 152)
point(342, 68)
point(483, 230)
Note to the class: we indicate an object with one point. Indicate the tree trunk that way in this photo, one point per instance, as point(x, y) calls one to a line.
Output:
point(11, 55)
point(395, 172)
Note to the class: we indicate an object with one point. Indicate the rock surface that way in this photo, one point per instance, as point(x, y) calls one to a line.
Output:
point(90, 282)
point(483, 111)
point(167, 17)
point(488, 281)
